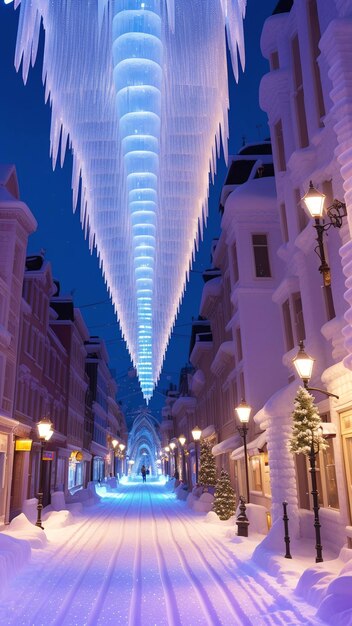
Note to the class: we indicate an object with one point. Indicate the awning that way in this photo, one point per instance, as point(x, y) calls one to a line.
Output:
point(253, 447)
point(329, 429)
point(208, 431)
point(227, 445)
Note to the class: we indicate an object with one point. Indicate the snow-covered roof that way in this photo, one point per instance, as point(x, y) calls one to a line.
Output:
point(208, 431)
point(253, 447)
point(231, 443)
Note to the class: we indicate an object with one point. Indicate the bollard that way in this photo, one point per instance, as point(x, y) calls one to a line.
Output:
point(287, 536)
point(242, 520)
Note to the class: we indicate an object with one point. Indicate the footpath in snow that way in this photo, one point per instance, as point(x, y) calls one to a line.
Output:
point(139, 557)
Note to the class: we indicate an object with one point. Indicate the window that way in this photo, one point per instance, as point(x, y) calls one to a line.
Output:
point(235, 263)
point(283, 220)
point(298, 317)
point(302, 217)
point(239, 344)
point(274, 60)
point(256, 474)
point(298, 95)
point(280, 146)
point(286, 313)
point(314, 27)
point(261, 256)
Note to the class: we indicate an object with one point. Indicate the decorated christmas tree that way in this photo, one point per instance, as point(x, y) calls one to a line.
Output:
point(207, 472)
point(224, 504)
point(306, 425)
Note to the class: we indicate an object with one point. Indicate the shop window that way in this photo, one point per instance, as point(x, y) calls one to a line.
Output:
point(256, 474)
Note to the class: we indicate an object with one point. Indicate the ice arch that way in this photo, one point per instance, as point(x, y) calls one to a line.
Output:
point(144, 442)
point(139, 90)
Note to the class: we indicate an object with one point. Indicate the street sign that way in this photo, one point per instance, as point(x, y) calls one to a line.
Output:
point(48, 455)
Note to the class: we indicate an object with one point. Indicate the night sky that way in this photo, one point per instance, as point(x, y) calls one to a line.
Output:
point(24, 141)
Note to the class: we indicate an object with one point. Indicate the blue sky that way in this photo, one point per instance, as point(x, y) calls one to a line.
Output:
point(24, 141)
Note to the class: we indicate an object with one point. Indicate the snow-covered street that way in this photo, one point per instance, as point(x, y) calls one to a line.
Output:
point(141, 557)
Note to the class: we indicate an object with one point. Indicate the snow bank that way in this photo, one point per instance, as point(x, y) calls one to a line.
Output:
point(14, 554)
point(327, 586)
point(204, 504)
point(181, 492)
point(21, 527)
point(213, 518)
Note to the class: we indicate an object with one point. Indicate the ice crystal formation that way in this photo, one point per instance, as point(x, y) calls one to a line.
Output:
point(139, 92)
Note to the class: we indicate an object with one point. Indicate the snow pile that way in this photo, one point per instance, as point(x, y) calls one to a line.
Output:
point(21, 527)
point(327, 586)
point(181, 491)
point(204, 504)
point(213, 518)
point(14, 553)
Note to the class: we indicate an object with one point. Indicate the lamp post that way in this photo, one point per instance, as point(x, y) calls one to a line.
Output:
point(45, 431)
point(196, 434)
point(121, 448)
point(167, 451)
point(314, 201)
point(114, 443)
point(304, 366)
point(172, 448)
point(182, 440)
point(243, 411)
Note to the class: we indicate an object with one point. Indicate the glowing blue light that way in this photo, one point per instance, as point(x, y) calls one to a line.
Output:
point(141, 95)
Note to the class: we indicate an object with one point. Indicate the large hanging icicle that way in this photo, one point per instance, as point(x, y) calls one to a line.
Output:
point(138, 89)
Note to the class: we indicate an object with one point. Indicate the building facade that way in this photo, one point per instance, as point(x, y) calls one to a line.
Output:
point(16, 224)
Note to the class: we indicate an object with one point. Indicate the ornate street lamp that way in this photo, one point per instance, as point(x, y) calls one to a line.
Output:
point(196, 434)
point(121, 455)
point(167, 451)
point(243, 411)
point(172, 448)
point(45, 432)
point(182, 440)
point(304, 367)
point(314, 201)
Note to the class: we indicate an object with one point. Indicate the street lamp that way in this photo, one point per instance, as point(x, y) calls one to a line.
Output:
point(304, 367)
point(172, 448)
point(182, 440)
point(314, 201)
point(167, 451)
point(243, 411)
point(196, 434)
point(121, 448)
point(45, 431)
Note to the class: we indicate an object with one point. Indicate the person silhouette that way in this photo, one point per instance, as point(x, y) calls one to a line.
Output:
point(144, 473)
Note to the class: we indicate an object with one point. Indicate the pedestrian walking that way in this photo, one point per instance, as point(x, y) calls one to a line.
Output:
point(144, 473)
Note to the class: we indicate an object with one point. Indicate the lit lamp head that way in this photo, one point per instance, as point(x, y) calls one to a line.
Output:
point(167, 449)
point(303, 364)
point(243, 411)
point(196, 433)
point(182, 440)
point(172, 445)
point(45, 429)
point(314, 201)
point(114, 443)
point(122, 446)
